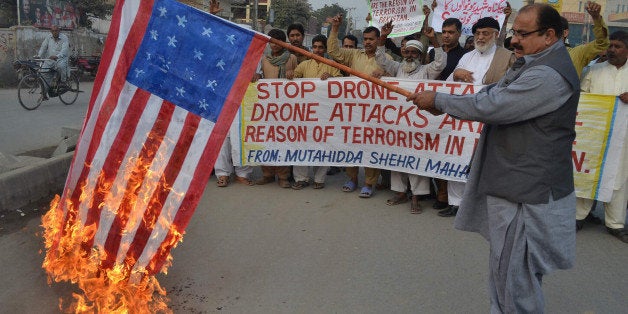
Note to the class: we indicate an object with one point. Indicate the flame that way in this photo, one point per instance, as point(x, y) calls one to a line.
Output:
point(104, 288)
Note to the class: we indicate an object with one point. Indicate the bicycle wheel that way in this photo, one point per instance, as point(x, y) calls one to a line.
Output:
point(30, 91)
point(71, 94)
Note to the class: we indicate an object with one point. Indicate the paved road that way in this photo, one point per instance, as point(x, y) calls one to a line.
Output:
point(263, 249)
point(23, 130)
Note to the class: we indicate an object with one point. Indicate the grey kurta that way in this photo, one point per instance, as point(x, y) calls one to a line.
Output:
point(538, 91)
point(530, 222)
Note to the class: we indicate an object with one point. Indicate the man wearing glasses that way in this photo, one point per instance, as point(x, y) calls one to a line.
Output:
point(520, 193)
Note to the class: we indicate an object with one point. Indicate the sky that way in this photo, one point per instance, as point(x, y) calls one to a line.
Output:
point(362, 9)
point(359, 14)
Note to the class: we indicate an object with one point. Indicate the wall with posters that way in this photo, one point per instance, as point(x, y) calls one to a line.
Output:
point(46, 13)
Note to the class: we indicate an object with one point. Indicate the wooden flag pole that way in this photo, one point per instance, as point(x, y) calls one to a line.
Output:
point(342, 67)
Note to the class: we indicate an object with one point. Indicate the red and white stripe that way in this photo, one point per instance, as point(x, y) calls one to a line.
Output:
point(142, 161)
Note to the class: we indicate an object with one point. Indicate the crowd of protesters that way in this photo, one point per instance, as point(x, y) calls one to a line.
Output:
point(520, 197)
point(483, 59)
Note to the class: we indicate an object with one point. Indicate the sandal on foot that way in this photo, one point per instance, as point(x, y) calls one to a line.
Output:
point(299, 185)
point(222, 181)
point(284, 183)
point(415, 207)
point(366, 192)
point(397, 199)
point(349, 186)
point(318, 185)
point(245, 181)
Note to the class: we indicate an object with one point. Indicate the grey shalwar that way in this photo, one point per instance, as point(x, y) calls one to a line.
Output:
point(520, 193)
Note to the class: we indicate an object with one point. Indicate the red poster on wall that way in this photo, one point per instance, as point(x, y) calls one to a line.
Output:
point(46, 13)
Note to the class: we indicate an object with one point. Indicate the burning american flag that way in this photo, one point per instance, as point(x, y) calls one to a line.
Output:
point(169, 84)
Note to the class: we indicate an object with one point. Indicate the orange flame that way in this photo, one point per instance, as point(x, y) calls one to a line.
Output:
point(107, 290)
point(117, 289)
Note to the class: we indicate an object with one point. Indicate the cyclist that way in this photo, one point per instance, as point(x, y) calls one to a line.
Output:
point(55, 47)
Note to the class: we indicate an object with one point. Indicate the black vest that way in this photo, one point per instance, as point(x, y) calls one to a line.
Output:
point(526, 161)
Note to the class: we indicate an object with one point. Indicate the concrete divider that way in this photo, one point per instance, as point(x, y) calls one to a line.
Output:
point(31, 183)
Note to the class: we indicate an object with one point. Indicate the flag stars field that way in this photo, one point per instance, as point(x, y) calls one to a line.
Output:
point(172, 57)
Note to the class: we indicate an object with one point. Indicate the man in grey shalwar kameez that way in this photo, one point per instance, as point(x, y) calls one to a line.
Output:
point(520, 193)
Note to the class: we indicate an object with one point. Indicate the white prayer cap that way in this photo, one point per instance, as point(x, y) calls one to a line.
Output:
point(416, 44)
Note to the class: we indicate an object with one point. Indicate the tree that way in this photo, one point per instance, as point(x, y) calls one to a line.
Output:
point(323, 13)
point(8, 13)
point(92, 8)
point(291, 11)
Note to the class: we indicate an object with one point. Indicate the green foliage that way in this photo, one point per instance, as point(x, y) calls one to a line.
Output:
point(8, 13)
point(92, 8)
point(291, 11)
point(323, 13)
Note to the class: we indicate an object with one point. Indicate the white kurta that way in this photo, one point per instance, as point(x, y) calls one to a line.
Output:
point(605, 78)
point(478, 63)
point(59, 48)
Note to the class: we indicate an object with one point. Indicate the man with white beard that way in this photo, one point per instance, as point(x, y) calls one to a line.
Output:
point(484, 65)
point(411, 68)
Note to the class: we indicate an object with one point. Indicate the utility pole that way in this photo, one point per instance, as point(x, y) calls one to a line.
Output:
point(19, 19)
point(349, 19)
point(255, 14)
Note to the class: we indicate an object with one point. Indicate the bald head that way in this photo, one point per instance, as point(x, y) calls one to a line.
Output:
point(54, 30)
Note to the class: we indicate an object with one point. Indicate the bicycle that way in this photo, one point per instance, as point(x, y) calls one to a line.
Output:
point(40, 83)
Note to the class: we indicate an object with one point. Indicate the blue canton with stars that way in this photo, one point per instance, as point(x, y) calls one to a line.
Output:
point(189, 57)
